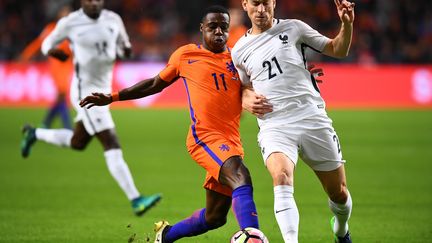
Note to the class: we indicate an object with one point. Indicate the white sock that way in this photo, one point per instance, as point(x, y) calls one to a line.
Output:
point(342, 213)
point(120, 171)
point(59, 137)
point(286, 212)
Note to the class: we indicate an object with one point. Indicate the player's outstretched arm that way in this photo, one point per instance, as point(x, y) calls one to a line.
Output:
point(340, 45)
point(254, 103)
point(139, 90)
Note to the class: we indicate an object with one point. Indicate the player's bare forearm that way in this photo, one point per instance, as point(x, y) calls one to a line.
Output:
point(342, 42)
point(254, 103)
point(139, 90)
point(339, 46)
point(143, 89)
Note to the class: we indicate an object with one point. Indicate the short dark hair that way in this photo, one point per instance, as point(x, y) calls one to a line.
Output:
point(215, 9)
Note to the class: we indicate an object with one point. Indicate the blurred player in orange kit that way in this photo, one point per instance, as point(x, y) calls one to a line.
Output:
point(214, 94)
point(61, 72)
point(237, 28)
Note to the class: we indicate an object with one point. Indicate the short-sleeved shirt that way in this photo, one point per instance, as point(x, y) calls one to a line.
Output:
point(213, 90)
point(275, 63)
point(95, 43)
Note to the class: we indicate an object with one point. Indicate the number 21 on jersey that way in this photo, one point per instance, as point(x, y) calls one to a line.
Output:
point(268, 64)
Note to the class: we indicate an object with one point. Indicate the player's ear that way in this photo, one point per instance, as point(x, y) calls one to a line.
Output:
point(201, 27)
point(244, 5)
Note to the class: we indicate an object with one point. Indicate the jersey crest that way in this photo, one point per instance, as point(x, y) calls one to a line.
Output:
point(284, 38)
point(231, 68)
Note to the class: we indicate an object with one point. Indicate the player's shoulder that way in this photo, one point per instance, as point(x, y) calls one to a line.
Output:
point(106, 13)
point(290, 27)
point(189, 48)
point(180, 51)
point(286, 23)
point(77, 14)
point(241, 42)
point(296, 23)
point(71, 18)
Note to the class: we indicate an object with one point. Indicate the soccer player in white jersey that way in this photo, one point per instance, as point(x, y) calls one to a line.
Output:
point(270, 59)
point(98, 37)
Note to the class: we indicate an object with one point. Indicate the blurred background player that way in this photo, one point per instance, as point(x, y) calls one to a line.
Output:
point(214, 95)
point(271, 60)
point(237, 28)
point(98, 37)
point(61, 72)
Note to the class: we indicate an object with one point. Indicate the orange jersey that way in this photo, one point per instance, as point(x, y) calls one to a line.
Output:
point(213, 88)
point(214, 93)
point(60, 71)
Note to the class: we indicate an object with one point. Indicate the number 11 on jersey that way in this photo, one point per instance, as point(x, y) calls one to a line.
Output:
point(222, 76)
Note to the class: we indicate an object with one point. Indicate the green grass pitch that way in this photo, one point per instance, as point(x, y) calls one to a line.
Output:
point(59, 195)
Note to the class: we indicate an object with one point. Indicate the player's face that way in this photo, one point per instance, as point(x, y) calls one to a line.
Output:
point(92, 8)
point(214, 30)
point(260, 12)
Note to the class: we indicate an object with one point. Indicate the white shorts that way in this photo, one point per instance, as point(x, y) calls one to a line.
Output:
point(95, 119)
point(315, 141)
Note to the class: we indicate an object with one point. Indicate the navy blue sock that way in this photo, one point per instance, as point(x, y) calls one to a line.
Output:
point(244, 207)
point(194, 225)
point(51, 115)
point(64, 114)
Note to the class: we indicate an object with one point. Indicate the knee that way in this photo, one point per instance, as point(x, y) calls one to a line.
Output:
point(215, 221)
point(241, 177)
point(78, 145)
point(235, 174)
point(110, 143)
point(340, 195)
point(283, 178)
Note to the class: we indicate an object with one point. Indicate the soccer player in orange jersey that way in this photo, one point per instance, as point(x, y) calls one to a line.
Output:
point(61, 71)
point(214, 94)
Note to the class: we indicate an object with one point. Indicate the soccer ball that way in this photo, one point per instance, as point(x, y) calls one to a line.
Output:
point(249, 235)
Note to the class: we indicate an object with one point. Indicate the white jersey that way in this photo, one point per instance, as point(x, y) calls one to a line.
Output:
point(95, 44)
point(274, 62)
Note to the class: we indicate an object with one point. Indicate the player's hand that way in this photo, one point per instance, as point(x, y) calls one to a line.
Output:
point(96, 99)
point(316, 72)
point(345, 11)
point(127, 52)
point(256, 104)
point(58, 54)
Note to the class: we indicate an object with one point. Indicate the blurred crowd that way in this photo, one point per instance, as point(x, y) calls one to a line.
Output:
point(385, 31)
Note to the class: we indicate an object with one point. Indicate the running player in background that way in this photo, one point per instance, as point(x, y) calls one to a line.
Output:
point(98, 37)
point(61, 72)
point(214, 94)
point(270, 58)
